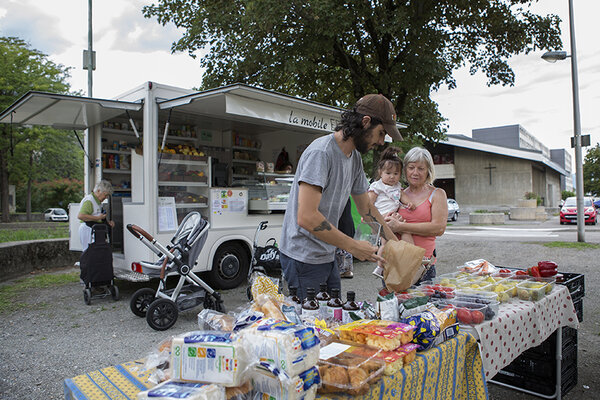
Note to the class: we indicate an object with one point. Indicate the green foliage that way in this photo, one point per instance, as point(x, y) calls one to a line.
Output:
point(30, 154)
point(56, 231)
point(591, 171)
point(566, 193)
point(572, 245)
point(533, 195)
point(55, 193)
point(335, 52)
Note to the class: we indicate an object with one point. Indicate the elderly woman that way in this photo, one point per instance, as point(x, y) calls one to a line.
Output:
point(428, 219)
point(91, 212)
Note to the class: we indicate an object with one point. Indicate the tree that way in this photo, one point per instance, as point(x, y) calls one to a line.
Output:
point(591, 171)
point(335, 52)
point(22, 69)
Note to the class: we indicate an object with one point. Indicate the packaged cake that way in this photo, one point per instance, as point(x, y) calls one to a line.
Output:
point(344, 372)
point(394, 359)
point(385, 335)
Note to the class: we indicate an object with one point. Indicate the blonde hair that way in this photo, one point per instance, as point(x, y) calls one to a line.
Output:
point(417, 154)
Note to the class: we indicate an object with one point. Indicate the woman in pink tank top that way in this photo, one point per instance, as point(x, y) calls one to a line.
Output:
point(428, 219)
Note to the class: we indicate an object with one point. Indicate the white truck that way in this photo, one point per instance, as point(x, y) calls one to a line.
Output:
point(169, 151)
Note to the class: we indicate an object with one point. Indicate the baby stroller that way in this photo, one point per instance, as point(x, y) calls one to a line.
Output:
point(97, 267)
point(161, 307)
point(265, 260)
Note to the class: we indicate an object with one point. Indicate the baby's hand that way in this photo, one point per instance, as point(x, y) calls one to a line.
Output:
point(410, 206)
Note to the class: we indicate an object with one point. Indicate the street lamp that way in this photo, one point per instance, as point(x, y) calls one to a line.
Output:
point(553, 56)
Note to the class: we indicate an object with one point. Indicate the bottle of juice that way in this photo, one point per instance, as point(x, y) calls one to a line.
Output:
point(310, 306)
point(294, 296)
point(349, 306)
point(334, 305)
point(323, 297)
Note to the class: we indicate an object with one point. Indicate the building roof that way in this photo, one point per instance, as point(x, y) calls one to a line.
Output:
point(466, 142)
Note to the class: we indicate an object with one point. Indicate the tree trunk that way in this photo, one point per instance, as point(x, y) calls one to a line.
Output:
point(28, 202)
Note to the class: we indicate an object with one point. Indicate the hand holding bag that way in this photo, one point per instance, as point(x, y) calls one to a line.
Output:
point(404, 264)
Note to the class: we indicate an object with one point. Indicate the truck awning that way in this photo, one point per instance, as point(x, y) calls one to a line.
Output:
point(64, 111)
point(250, 104)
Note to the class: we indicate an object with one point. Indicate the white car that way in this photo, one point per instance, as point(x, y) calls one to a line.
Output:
point(55, 214)
point(453, 209)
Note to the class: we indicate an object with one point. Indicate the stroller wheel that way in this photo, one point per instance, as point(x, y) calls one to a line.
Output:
point(114, 292)
point(211, 303)
point(87, 296)
point(140, 301)
point(162, 314)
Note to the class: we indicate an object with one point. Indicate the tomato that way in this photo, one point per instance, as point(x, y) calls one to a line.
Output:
point(477, 317)
point(464, 316)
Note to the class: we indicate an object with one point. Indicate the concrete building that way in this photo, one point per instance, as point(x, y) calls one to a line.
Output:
point(498, 166)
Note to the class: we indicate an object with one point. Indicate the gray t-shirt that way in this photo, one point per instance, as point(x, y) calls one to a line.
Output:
point(322, 164)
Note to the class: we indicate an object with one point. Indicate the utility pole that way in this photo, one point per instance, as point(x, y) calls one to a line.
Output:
point(89, 55)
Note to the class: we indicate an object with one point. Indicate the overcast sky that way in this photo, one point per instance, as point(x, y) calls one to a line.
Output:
point(132, 50)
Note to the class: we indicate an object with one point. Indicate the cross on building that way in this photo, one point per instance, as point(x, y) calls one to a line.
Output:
point(490, 168)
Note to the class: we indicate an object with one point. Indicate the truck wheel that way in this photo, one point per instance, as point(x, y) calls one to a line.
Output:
point(230, 266)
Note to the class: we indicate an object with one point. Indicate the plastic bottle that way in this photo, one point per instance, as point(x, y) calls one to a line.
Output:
point(323, 297)
point(348, 306)
point(294, 297)
point(310, 306)
point(334, 305)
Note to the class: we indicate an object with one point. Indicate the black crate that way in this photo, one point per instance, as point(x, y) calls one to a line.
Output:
point(579, 309)
point(543, 368)
point(575, 283)
point(548, 347)
point(536, 385)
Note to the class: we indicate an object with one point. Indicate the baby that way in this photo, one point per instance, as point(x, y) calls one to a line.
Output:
point(386, 193)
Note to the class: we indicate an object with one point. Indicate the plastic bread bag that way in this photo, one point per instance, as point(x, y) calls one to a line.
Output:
point(263, 284)
point(427, 328)
point(242, 392)
point(324, 332)
point(171, 390)
point(158, 362)
point(268, 382)
point(344, 372)
point(269, 305)
point(381, 334)
point(291, 347)
point(388, 307)
point(394, 359)
point(208, 357)
point(214, 320)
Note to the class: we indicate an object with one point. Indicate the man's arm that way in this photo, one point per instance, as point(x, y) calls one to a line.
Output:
point(309, 218)
point(367, 210)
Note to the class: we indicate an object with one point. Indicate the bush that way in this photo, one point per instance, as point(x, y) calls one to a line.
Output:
point(533, 195)
point(57, 193)
point(567, 193)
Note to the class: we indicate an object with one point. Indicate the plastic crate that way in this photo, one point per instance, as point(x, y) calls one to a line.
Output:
point(575, 283)
point(579, 309)
point(548, 348)
point(544, 368)
point(543, 387)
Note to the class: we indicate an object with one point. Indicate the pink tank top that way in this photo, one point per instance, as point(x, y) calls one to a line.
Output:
point(421, 214)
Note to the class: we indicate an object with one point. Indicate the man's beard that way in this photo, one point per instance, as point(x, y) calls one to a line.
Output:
point(361, 140)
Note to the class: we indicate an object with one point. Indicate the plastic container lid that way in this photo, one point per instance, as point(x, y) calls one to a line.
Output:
point(381, 334)
point(531, 290)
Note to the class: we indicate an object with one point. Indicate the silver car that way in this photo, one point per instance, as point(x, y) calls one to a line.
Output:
point(453, 210)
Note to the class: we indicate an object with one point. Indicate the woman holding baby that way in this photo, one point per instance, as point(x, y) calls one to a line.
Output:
point(427, 219)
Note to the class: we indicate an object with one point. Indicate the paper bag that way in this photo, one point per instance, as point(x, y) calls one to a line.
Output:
point(404, 264)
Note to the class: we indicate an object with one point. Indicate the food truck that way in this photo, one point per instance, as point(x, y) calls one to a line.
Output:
point(168, 151)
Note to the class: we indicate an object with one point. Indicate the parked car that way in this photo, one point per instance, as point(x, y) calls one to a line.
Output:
point(56, 214)
point(597, 203)
point(568, 212)
point(453, 210)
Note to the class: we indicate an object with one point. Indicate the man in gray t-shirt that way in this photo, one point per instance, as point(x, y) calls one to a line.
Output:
point(329, 171)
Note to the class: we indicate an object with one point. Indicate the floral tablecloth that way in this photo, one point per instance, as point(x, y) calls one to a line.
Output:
point(521, 325)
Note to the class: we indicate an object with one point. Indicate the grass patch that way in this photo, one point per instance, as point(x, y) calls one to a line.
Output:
point(572, 245)
point(480, 212)
point(8, 292)
point(17, 235)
